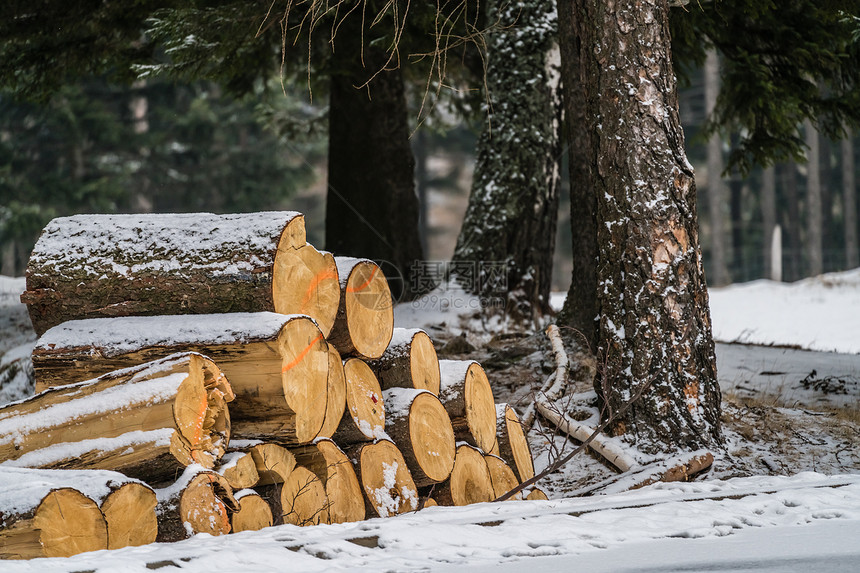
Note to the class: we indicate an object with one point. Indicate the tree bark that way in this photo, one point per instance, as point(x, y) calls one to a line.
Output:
point(814, 230)
point(793, 225)
point(580, 307)
point(371, 206)
point(507, 240)
point(849, 202)
point(655, 330)
point(716, 190)
point(768, 218)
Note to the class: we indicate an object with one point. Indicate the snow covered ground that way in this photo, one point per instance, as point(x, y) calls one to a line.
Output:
point(805, 522)
point(761, 523)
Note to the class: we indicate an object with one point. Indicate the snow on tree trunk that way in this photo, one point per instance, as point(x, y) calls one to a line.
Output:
point(505, 246)
point(655, 329)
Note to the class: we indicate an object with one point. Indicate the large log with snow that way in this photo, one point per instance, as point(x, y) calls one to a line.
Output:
point(54, 513)
point(333, 468)
point(410, 361)
point(365, 314)
point(420, 427)
point(89, 266)
point(468, 399)
point(277, 364)
point(147, 421)
point(385, 478)
point(199, 501)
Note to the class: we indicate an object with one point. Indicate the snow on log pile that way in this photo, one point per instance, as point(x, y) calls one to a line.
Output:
point(151, 324)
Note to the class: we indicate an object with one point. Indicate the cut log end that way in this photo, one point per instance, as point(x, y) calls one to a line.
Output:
point(537, 494)
point(470, 480)
point(303, 499)
point(365, 319)
point(514, 446)
point(206, 504)
point(365, 416)
point(254, 514)
point(432, 437)
point(480, 407)
point(305, 281)
point(386, 480)
point(69, 523)
point(424, 364)
point(130, 515)
point(304, 375)
point(274, 463)
point(502, 477)
point(336, 395)
point(343, 490)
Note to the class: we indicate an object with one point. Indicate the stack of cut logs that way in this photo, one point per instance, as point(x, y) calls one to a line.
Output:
point(216, 373)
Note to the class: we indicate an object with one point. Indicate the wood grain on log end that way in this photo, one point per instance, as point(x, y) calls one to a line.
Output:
point(130, 515)
point(304, 375)
point(336, 395)
point(274, 463)
point(468, 398)
point(254, 513)
point(206, 504)
point(364, 418)
point(502, 477)
point(365, 317)
point(470, 480)
point(386, 479)
point(512, 445)
point(303, 499)
point(305, 281)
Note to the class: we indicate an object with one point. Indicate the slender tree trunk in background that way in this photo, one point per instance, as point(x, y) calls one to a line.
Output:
point(655, 329)
point(736, 194)
point(580, 307)
point(828, 236)
point(813, 203)
point(8, 266)
point(139, 109)
point(792, 221)
point(719, 274)
point(768, 217)
point(508, 235)
point(419, 149)
point(371, 205)
point(849, 202)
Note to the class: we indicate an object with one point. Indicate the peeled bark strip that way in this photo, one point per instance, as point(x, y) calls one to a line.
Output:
point(470, 480)
point(53, 513)
point(199, 502)
point(410, 361)
point(253, 514)
point(303, 499)
point(90, 266)
point(276, 364)
point(468, 399)
point(239, 469)
point(387, 482)
point(328, 462)
point(146, 422)
point(365, 315)
point(364, 418)
point(336, 394)
point(502, 477)
point(512, 445)
point(420, 427)
point(130, 515)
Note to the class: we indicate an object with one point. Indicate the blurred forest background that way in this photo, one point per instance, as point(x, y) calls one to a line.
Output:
point(162, 146)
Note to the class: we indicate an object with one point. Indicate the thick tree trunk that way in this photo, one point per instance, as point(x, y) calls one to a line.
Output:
point(506, 243)
point(849, 202)
point(716, 192)
point(580, 307)
point(94, 266)
point(655, 331)
point(814, 229)
point(371, 206)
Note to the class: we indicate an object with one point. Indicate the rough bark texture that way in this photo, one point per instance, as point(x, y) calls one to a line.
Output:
point(814, 236)
point(716, 192)
point(371, 206)
point(655, 326)
point(506, 243)
point(580, 307)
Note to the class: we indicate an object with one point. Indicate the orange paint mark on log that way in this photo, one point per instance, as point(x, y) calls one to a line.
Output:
point(301, 355)
point(365, 284)
point(327, 274)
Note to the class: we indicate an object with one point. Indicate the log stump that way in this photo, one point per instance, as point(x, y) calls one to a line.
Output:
point(90, 266)
point(410, 361)
point(365, 314)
